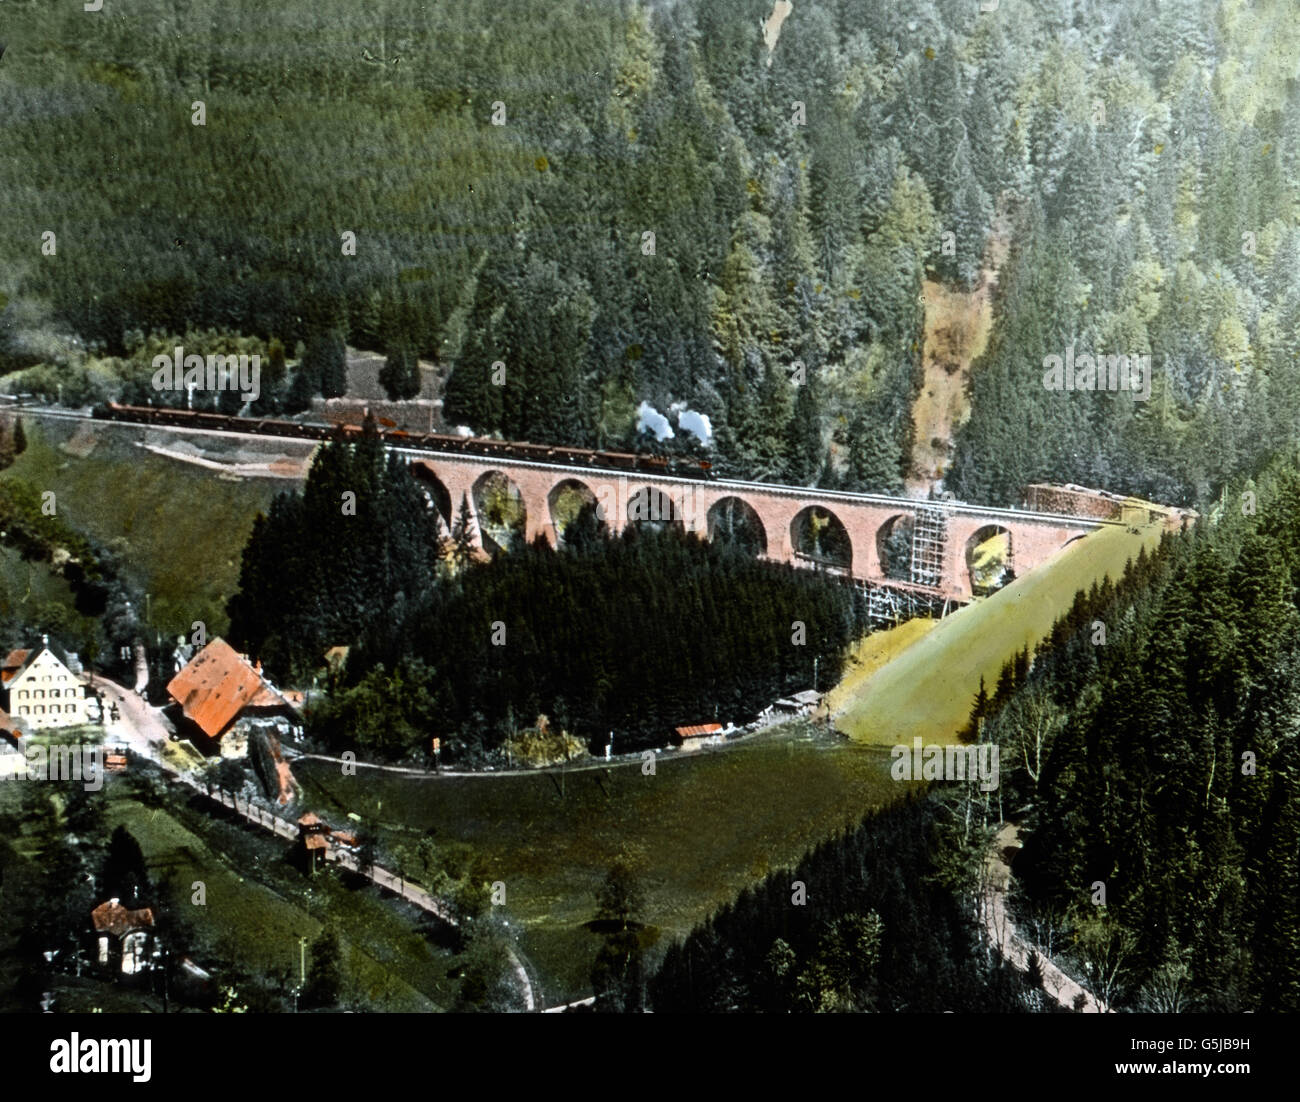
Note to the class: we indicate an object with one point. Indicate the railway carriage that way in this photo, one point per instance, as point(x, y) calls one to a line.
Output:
point(682, 467)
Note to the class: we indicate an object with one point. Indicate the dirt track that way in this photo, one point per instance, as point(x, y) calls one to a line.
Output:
point(1014, 948)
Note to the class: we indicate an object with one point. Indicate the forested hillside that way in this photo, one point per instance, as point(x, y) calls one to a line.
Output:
point(1155, 749)
point(797, 197)
point(879, 926)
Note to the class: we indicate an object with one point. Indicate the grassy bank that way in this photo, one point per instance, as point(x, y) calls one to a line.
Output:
point(928, 689)
point(178, 530)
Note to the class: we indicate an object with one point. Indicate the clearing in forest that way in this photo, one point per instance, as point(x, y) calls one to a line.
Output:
point(957, 326)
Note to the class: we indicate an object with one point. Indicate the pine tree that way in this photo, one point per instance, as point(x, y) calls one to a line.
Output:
point(804, 437)
point(306, 385)
point(273, 381)
point(125, 874)
point(400, 375)
point(462, 536)
point(333, 363)
point(324, 977)
point(874, 457)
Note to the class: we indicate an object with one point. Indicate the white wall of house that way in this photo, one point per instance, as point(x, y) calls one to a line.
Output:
point(135, 950)
point(47, 694)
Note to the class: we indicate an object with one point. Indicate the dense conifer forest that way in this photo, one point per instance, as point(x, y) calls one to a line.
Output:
point(502, 185)
point(1168, 762)
point(580, 208)
point(880, 928)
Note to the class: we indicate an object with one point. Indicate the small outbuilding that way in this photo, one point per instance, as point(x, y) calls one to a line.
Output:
point(313, 838)
point(700, 734)
point(798, 704)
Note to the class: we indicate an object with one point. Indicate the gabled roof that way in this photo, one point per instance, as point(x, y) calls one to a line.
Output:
point(17, 661)
point(111, 917)
point(216, 685)
point(700, 730)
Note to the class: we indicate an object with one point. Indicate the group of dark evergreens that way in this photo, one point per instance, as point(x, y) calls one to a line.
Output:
point(1170, 770)
point(868, 921)
point(634, 634)
point(694, 220)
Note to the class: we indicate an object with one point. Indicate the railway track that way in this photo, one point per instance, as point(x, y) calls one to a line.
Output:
point(577, 460)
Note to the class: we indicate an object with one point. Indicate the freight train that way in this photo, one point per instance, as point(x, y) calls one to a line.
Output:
point(677, 466)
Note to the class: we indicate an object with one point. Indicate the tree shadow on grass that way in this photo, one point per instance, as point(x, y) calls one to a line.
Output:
point(646, 935)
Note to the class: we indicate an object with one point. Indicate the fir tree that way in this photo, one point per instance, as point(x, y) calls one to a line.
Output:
point(324, 976)
point(400, 375)
point(463, 548)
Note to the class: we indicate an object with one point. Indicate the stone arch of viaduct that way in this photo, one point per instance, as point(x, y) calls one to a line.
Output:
point(1034, 537)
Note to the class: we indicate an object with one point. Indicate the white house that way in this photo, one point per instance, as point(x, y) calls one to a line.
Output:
point(40, 691)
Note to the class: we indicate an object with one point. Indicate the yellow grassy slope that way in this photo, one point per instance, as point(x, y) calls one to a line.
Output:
point(929, 685)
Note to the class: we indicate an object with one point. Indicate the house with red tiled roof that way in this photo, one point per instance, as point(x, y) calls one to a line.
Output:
point(124, 938)
point(220, 698)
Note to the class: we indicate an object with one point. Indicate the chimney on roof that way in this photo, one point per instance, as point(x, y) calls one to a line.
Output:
point(45, 640)
point(113, 901)
point(258, 667)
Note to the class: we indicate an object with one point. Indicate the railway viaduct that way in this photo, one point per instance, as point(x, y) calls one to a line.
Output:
point(843, 532)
